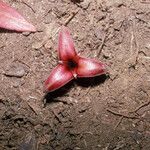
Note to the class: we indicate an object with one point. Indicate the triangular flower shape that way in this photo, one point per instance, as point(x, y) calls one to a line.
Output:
point(71, 65)
point(12, 20)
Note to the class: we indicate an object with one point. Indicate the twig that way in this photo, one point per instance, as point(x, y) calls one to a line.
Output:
point(1, 46)
point(122, 115)
point(1, 99)
point(120, 120)
point(85, 143)
point(55, 33)
point(31, 107)
point(20, 61)
point(139, 107)
point(134, 46)
point(70, 18)
point(101, 46)
point(87, 91)
point(28, 6)
point(56, 116)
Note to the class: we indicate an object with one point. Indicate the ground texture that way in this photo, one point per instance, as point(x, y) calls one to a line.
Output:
point(109, 112)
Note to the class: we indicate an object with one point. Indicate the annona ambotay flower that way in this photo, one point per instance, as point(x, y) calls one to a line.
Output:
point(12, 20)
point(71, 65)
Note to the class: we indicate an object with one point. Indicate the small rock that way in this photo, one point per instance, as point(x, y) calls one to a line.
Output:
point(148, 25)
point(37, 45)
point(85, 4)
point(147, 46)
point(17, 82)
point(100, 17)
point(106, 55)
point(26, 33)
point(16, 70)
point(99, 33)
point(1, 45)
point(48, 45)
point(29, 143)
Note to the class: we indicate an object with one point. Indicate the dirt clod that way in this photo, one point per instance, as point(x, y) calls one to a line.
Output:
point(16, 70)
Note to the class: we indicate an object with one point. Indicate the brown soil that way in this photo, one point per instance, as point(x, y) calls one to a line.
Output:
point(109, 112)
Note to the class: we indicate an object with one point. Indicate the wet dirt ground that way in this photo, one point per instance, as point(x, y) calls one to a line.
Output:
point(109, 112)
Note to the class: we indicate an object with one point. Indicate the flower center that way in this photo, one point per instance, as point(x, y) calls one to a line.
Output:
point(72, 64)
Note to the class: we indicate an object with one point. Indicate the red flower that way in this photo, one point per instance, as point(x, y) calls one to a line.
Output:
point(12, 20)
point(71, 65)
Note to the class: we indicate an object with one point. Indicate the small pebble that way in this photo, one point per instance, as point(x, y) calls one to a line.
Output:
point(29, 143)
point(16, 70)
point(37, 45)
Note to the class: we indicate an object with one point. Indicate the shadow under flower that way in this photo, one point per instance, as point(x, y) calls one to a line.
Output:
point(52, 97)
point(2, 30)
point(91, 81)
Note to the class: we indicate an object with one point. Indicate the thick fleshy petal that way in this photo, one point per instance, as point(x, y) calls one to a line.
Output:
point(66, 49)
point(90, 67)
point(58, 77)
point(12, 20)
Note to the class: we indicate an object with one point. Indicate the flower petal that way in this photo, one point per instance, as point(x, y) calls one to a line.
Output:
point(11, 19)
point(90, 68)
point(58, 77)
point(66, 49)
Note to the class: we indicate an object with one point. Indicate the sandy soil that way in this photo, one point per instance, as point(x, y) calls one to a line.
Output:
point(109, 112)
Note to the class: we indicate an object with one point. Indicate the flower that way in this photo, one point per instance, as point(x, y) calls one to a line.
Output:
point(71, 65)
point(12, 20)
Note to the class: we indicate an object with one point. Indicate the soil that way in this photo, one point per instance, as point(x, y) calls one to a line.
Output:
point(109, 112)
